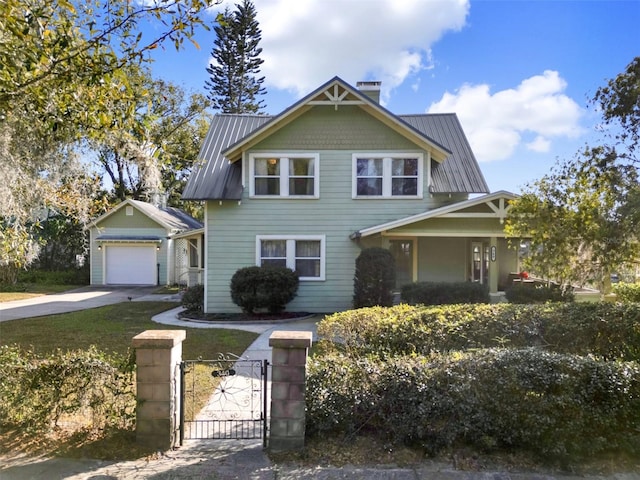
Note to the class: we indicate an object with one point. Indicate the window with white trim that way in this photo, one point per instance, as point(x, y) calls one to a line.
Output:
point(387, 175)
point(284, 175)
point(304, 254)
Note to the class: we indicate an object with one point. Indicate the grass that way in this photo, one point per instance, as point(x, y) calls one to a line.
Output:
point(111, 329)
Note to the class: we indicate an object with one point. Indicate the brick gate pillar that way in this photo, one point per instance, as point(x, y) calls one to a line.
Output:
point(158, 355)
point(288, 376)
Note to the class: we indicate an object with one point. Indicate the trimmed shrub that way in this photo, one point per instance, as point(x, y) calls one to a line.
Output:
point(269, 287)
point(552, 405)
point(193, 298)
point(627, 292)
point(443, 293)
point(36, 393)
point(375, 278)
point(72, 276)
point(608, 330)
point(538, 293)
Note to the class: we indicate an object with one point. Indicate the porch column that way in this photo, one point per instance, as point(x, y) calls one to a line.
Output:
point(494, 265)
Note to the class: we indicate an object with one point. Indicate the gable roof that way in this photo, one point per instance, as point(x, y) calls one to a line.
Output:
point(454, 210)
point(218, 176)
point(171, 218)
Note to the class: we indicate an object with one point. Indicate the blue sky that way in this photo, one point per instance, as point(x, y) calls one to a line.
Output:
point(518, 73)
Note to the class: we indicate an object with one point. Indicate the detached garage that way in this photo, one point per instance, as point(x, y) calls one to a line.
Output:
point(133, 244)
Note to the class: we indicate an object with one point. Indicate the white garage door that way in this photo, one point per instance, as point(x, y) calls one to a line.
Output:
point(129, 265)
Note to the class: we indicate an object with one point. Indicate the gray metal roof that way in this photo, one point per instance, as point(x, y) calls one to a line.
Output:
point(215, 178)
point(460, 172)
point(170, 217)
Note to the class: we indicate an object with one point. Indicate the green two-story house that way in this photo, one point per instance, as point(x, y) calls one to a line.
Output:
point(334, 173)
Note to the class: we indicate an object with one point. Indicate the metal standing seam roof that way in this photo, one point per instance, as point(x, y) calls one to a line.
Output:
point(215, 178)
point(171, 217)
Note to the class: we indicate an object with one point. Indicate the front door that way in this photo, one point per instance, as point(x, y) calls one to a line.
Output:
point(480, 262)
point(403, 254)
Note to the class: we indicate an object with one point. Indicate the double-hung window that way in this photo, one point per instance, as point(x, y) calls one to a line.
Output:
point(284, 175)
point(387, 175)
point(304, 254)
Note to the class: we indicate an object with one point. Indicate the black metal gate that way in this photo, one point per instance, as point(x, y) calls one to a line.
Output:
point(223, 399)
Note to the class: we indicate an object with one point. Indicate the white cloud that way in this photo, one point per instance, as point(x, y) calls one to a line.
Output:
point(307, 42)
point(539, 144)
point(495, 123)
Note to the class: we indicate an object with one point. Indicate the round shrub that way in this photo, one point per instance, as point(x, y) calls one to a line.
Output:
point(375, 278)
point(193, 298)
point(269, 287)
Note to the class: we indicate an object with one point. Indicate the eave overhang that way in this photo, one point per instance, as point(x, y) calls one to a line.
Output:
point(497, 210)
point(336, 92)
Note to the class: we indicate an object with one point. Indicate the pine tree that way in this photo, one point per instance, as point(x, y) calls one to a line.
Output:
point(234, 83)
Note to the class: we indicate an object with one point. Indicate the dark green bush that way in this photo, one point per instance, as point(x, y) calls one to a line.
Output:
point(36, 393)
point(374, 279)
point(627, 292)
point(193, 298)
point(72, 276)
point(269, 287)
point(555, 406)
point(608, 330)
point(538, 293)
point(443, 293)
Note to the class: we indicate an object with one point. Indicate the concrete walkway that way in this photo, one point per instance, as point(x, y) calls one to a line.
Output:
point(79, 299)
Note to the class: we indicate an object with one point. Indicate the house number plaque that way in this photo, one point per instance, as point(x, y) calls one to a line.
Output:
point(223, 373)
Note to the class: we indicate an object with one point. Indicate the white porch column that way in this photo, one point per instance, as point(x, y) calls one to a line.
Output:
point(494, 265)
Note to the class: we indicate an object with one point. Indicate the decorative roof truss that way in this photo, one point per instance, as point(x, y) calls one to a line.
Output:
point(335, 95)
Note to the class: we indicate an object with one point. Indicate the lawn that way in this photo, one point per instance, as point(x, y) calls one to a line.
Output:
point(111, 329)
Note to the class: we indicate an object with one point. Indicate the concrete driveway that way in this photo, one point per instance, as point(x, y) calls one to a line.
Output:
point(79, 299)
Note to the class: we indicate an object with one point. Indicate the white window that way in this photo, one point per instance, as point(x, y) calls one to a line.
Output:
point(303, 254)
point(284, 175)
point(387, 175)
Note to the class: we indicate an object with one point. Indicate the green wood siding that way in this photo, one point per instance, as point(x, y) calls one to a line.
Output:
point(232, 227)
point(120, 219)
point(232, 231)
point(348, 128)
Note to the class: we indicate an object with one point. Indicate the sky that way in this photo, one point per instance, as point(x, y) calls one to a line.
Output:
point(519, 74)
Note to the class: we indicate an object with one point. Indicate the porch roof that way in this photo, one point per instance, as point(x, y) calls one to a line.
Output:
point(497, 204)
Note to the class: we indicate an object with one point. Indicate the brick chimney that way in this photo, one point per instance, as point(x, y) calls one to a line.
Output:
point(371, 89)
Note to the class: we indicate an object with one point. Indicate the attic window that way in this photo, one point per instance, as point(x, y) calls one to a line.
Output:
point(129, 211)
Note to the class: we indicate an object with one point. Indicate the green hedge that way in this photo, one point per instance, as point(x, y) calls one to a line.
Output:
point(549, 404)
point(537, 293)
point(73, 276)
point(443, 293)
point(36, 393)
point(611, 331)
point(627, 292)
